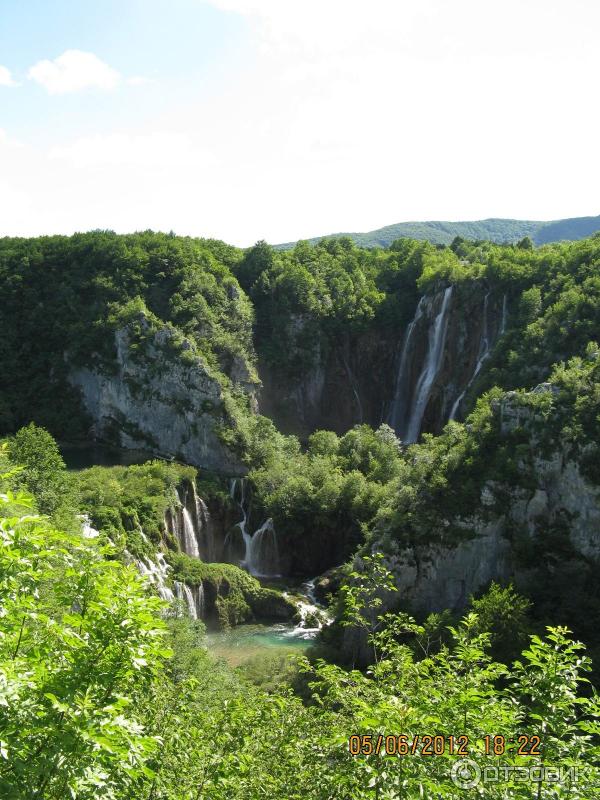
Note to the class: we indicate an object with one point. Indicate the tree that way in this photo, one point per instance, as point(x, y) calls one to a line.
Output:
point(43, 472)
point(80, 641)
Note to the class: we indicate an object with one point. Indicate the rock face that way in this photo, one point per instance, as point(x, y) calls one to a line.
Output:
point(348, 382)
point(170, 406)
point(545, 528)
point(415, 379)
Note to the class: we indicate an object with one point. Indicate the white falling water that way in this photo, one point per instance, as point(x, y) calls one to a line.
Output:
point(398, 408)
point(189, 542)
point(205, 530)
point(156, 573)
point(200, 601)
point(431, 368)
point(261, 553)
point(312, 615)
point(87, 531)
point(184, 593)
point(484, 352)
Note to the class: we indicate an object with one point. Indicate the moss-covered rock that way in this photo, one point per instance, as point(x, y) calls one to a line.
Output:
point(232, 596)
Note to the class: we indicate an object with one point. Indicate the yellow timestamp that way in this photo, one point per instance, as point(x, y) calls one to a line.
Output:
point(441, 745)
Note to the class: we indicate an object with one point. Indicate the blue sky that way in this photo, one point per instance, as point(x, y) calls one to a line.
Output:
point(278, 119)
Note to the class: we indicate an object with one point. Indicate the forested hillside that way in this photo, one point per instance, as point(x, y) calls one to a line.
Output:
point(495, 230)
point(415, 429)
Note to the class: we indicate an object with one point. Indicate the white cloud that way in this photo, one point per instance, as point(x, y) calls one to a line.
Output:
point(73, 71)
point(6, 78)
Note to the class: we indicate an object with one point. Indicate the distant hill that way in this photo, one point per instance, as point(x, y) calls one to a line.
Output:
point(495, 230)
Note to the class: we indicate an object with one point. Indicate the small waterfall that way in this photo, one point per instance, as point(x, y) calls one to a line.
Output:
point(431, 368)
point(261, 552)
point(156, 573)
point(191, 528)
point(200, 601)
point(398, 408)
point(483, 353)
point(186, 595)
point(189, 543)
point(205, 534)
point(87, 531)
point(312, 615)
point(192, 596)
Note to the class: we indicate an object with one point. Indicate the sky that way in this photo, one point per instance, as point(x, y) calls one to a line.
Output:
point(284, 119)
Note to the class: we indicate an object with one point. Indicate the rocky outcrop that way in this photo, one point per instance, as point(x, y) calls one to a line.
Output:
point(169, 405)
point(349, 381)
point(542, 528)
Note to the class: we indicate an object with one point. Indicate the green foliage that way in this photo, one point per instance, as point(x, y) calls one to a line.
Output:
point(90, 707)
point(63, 297)
point(505, 615)
point(123, 501)
point(80, 643)
point(333, 489)
point(236, 595)
point(43, 472)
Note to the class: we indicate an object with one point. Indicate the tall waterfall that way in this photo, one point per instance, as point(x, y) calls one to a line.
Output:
point(261, 553)
point(483, 353)
point(431, 368)
point(399, 403)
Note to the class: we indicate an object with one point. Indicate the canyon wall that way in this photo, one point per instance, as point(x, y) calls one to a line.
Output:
point(169, 405)
point(415, 378)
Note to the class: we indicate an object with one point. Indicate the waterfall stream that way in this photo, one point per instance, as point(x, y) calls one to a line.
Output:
point(192, 596)
point(398, 408)
point(261, 552)
point(189, 542)
point(482, 355)
point(431, 368)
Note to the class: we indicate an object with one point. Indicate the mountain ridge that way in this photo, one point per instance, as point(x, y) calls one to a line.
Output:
point(495, 229)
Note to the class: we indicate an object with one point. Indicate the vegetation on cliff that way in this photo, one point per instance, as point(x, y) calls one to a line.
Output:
point(101, 696)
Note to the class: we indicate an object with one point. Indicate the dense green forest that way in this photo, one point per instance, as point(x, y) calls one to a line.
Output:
point(106, 691)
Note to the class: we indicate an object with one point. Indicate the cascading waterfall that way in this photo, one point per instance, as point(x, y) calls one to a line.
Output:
point(261, 553)
point(398, 408)
point(312, 615)
point(156, 573)
point(483, 353)
point(205, 531)
point(184, 593)
point(189, 543)
point(190, 524)
point(87, 531)
point(431, 368)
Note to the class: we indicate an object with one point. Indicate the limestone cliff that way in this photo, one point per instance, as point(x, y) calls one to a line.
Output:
point(168, 403)
point(542, 529)
point(414, 378)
